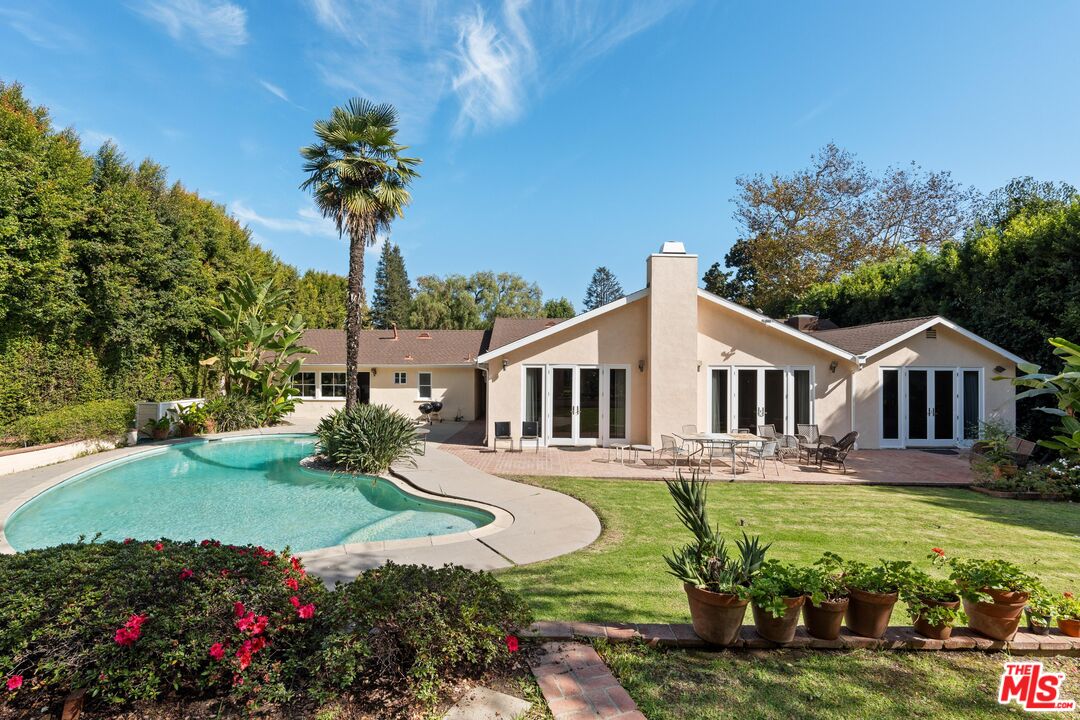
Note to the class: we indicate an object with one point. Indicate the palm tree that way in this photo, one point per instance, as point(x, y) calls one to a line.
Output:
point(359, 177)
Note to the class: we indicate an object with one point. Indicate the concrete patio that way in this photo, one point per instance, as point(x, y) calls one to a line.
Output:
point(938, 467)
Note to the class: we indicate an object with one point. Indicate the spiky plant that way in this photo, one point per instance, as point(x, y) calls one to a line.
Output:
point(367, 439)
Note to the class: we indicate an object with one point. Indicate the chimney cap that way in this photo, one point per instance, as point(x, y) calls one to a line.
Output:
point(672, 247)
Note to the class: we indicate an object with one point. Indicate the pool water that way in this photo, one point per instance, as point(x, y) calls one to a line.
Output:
point(248, 490)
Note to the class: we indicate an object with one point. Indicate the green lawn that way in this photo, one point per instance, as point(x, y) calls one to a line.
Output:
point(777, 685)
point(622, 576)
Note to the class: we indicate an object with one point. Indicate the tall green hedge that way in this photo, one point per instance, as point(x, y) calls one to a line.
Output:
point(95, 419)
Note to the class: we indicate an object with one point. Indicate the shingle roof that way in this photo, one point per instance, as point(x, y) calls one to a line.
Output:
point(860, 339)
point(508, 330)
point(412, 347)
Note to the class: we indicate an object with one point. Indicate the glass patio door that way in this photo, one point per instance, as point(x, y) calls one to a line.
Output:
point(589, 404)
point(760, 399)
point(931, 406)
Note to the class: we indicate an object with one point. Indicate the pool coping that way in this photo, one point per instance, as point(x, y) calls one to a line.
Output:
point(501, 520)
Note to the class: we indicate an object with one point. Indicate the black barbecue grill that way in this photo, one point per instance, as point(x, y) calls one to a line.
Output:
point(430, 409)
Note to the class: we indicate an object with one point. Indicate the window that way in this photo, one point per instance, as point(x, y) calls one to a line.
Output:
point(803, 399)
point(972, 411)
point(304, 382)
point(890, 404)
point(333, 384)
point(719, 400)
point(423, 385)
point(534, 395)
point(401, 378)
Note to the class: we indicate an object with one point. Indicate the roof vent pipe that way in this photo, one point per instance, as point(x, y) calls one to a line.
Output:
point(394, 326)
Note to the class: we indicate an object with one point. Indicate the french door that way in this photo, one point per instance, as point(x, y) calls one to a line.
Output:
point(940, 406)
point(745, 397)
point(587, 404)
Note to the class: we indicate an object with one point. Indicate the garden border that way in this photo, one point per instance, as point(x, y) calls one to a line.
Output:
point(899, 638)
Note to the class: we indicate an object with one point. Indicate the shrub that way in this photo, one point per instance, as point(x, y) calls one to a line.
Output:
point(139, 621)
point(40, 377)
point(367, 438)
point(1061, 477)
point(97, 419)
point(427, 626)
point(233, 412)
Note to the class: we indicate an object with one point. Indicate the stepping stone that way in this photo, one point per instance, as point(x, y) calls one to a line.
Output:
point(484, 704)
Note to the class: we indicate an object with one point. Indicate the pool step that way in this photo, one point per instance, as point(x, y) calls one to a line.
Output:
point(376, 529)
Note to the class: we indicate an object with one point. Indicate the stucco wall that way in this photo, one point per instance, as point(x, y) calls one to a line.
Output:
point(455, 387)
point(616, 337)
point(672, 341)
point(949, 350)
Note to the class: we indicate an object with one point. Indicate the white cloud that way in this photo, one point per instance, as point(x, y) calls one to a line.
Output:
point(492, 62)
point(218, 25)
point(93, 139)
point(307, 222)
point(41, 32)
point(274, 90)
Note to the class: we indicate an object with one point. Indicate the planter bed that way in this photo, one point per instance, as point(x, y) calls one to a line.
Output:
point(1008, 495)
point(895, 638)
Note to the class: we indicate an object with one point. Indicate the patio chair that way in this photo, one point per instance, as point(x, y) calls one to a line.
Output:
point(837, 452)
point(689, 429)
point(717, 450)
point(787, 446)
point(670, 446)
point(1020, 449)
point(530, 430)
point(808, 437)
point(502, 432)
point(766, 431)
point(765, 451)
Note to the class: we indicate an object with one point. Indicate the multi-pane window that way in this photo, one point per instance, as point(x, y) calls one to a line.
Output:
point(423, 385)
point(333, 384)
point(305, 384)
point(401, 378)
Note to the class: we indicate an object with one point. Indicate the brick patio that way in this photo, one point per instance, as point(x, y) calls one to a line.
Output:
point(577, 685)
point(865, 467)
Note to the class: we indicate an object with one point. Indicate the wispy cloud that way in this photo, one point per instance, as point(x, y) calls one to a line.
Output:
point(274, 90)
point(307, 221)
point(491, 61)
point(93, 139)
point(218, 25)
point(40, 31)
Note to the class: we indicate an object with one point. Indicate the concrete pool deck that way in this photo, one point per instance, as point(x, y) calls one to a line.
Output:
point(531, 523)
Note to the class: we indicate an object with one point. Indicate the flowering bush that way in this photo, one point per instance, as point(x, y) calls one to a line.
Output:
point(427, 625)
point(1061, 477)
point(1068, 607)
point(144, 621)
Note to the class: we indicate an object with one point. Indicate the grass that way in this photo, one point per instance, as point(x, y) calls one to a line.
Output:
point(680, 685)
point(622, 576)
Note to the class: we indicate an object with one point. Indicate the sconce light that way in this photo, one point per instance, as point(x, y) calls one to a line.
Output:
point(999, 369)
point(374, 371)
point(641, 365)
point(699, 366)
point(506, 363)
point(833, 365)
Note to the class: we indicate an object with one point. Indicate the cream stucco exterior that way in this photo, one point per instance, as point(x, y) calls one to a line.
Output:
point(452, 385)
point(671, 335)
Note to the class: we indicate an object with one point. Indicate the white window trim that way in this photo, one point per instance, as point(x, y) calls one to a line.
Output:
point(901, 414)
point(543, 400)
point(430, 385)
point(318, 388)
point(404, 374)
point(789, 394)
point(314, 384)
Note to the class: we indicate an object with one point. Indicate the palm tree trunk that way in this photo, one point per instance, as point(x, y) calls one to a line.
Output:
point(353, 312)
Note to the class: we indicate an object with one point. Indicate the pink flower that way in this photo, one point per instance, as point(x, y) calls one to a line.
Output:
point(292, 584)
point(159, 546)
point(237, 680)
point(135, 621)
point(217, 651)
point(14, 682)
point(245, 658)
point(186, 574)
point(294, 601)
point(130, 632)
point(225, 572)
point(238, 609)
point(128, 541)
point(305, 612)
point(511, 643)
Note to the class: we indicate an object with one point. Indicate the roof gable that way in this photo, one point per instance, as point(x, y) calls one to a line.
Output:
point(878, 337)
point(403, 347)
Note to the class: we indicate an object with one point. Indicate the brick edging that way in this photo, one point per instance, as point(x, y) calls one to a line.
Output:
point(577, 684)
point(896, 638)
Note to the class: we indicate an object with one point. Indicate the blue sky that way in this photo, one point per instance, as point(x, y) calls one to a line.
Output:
point(556, 136)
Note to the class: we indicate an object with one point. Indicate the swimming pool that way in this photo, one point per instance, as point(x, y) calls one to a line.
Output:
point(236, 490)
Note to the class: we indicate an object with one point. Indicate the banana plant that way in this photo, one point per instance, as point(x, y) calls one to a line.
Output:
point(1065, 387)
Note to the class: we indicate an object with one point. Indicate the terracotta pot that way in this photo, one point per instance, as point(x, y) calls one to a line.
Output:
point(823, 621)
point(717, 617)
point(159, 433)
point(779, 629)
point(1042, 627)
point(210, 424)
point(935, 632)
point(1069, 626)
point(187, 431)
point(1000, 619)
point(868, 613)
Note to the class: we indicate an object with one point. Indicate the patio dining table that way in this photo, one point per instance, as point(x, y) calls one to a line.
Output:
point(733, 440)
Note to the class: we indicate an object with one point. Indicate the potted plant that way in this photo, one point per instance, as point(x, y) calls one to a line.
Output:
point(1068, 615)
point(190, 419)
point(777, 594)
point(131, 437)
point(994, 593)
point(826, 597)
point(1040, 611)
point(933, 604)
point(872, 592)
point(717, 585)
point(158, 429)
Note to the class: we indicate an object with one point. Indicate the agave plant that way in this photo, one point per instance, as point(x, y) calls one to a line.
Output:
point(706, 562)
point(367, 439)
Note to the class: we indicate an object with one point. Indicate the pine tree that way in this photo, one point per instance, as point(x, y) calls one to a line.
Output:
point(393, 294)
point(603, 288)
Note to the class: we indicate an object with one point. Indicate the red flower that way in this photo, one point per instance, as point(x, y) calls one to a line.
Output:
point(238, 609)
point(130, 632)
point(244, 657)
point(237, 680)
point(306, 612)
point(294, 601)
point(1068, 595)
point(511, 643)
point(225, 572)
point(217, 651)
point(186, 574)
point(938, 551)
point(135, 622)
point(128, 541)
point(159, 546)
point(14, 682)
point(292, 584)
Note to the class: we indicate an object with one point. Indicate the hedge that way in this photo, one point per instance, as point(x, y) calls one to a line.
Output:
point(97, 419)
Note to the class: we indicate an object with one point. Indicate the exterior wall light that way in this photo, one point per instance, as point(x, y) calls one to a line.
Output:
point(374, 371)
point(999, 369)
point(641, 365)
point(833, 365)
point(506, 363)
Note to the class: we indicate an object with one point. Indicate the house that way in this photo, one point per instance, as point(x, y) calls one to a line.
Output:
point(672, 354)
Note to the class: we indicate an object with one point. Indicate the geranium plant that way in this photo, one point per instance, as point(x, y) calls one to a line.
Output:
point(773, 583)
point(886, 577)
point(923, 592)
point(973, 577)
point(1068, 607)
point(824, 581)
point(1042, 608)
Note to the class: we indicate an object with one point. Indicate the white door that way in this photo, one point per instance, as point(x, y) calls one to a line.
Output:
point(615, 404)
point(931, 409)
point(760, 398)
point(588, 404)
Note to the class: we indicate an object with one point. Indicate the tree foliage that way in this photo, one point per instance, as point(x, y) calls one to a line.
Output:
point(320, 298)
point(823, 221)
point(457, 302)
point(603, 288)
point(359, 176)
point(559, 308)
point(393, 293)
